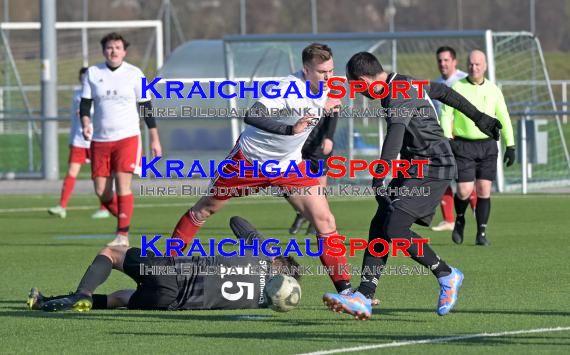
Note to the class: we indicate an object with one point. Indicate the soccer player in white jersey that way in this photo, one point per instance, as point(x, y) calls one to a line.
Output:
point(115, 88)
point(447, 65)
point(79, 154)
point(281, 139)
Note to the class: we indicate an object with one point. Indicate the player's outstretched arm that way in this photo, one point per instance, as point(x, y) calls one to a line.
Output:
point(257, 116)
point(487, 124)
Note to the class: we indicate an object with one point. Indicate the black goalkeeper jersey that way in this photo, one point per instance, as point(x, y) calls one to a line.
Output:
point(220, 282)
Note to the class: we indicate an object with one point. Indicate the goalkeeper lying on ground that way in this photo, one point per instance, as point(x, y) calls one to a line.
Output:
point(172, 292)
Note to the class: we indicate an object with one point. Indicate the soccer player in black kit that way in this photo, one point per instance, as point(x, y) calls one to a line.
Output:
point(180, 291)
point(413, 136)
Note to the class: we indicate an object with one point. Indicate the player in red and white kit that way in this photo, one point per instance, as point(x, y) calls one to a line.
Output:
point(280, 139)
point(115, 88)
point(79, 154)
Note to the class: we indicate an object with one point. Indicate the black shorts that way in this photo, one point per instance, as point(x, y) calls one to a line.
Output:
point(421, 207)
point(315, 156)
point(153, 291)
point(475, 159)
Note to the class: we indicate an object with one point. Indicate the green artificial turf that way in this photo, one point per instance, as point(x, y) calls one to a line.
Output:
point(520, 282)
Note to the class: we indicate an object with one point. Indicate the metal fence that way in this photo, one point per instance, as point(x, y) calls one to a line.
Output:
point(359, 138)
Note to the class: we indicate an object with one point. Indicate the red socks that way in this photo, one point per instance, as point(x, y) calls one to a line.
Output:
point(187, 227)
point(339, 277)
point(447, 205)
point(112, 206)
point(66, 190)
point(473, 199)
point(126, 204)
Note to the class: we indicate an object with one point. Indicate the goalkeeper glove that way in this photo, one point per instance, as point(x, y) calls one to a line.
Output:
point(509, 157)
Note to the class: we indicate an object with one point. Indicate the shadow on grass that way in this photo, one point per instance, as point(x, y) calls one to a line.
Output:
point(7, 304)
point(168, 316)
point(151, 316)
point(8, 309)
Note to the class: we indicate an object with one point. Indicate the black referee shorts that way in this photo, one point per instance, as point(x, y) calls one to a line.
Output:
point(422, 208)
point(475, 159)
point(153, 291)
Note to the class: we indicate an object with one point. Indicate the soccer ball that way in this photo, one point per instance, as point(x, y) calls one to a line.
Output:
point(283, 293)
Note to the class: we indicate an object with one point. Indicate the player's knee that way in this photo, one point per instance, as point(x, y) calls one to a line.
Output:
point(325, 219)
point(331, 221)
point(115, 254)
point(73, 170)
point(484, 188)
point(105, 195)
point(464, 193)
point(109, 253)
point(99, 192)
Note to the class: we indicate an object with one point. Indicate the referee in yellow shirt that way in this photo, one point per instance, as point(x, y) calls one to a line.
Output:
point(476, 153)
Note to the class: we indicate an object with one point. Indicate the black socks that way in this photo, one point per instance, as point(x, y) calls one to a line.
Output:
point(96, 274)
point(460, 207)
point(482, 213)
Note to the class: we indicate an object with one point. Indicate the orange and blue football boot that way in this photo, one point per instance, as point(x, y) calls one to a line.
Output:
point(353, 303)
point(449, 288)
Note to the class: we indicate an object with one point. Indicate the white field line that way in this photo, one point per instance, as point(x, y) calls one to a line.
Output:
point(438, 340)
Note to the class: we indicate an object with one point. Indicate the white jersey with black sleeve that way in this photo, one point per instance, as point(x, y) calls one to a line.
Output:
point(75, 132)
point(115, 94)
point(257, 144)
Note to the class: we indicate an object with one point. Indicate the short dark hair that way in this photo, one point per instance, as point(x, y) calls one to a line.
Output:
point(114, 36)
point(83, 70)
point(446, 49)
point(290, 263)
point(319, 51)
point(363, 64)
